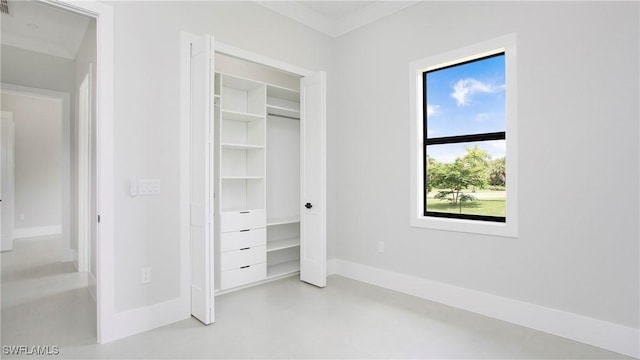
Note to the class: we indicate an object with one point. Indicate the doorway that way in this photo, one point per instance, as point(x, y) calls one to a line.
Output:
point(99, 14)
point(38, 272)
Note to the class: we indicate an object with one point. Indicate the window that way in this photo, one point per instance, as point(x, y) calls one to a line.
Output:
point(464, 154)
point(464, 140)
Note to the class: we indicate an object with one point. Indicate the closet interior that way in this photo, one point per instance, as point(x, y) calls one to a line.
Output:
point(256, 173)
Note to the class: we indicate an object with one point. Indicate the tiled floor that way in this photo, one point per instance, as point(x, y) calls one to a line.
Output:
point(45, 303)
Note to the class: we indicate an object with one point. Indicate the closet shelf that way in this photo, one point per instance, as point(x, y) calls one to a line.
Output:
point(283, 93)
point(240, 83)
point(285, 268)
point(240, 116)
point(240, 146)
point(283, 220)
point(282, 244)
point(283, 111)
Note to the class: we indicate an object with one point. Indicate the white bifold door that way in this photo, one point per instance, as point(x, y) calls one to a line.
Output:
point(200, 187)
point(312, 180)
point(312, 175)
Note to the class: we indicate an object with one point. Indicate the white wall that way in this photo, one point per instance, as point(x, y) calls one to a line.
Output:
point(41, 71)
point(577, 248)
point(37, 70)
point(38, 154)
point(147, 114)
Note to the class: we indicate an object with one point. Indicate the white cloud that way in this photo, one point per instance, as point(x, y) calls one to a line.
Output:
point(432, 110)
point(464, 88)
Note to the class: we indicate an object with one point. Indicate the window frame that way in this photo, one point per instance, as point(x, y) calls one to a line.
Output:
point(455, 139)
point(472, 224)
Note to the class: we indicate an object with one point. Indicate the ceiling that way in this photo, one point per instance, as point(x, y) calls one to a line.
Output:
point(335, 18)
point(42, 28)
point(38, 27)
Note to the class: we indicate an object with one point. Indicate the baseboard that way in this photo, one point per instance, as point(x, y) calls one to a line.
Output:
point(19, 233)
point(603, 334)
point(135, 321)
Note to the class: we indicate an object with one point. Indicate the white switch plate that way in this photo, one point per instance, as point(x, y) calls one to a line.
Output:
point(380, 246)
point(148, 186)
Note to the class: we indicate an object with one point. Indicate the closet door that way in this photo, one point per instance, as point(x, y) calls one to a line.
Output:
point(201, 194)
point(313, 256)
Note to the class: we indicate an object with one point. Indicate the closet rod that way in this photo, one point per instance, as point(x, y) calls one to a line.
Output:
point(283, 116)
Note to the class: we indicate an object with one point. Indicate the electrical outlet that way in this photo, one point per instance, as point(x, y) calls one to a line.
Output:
point(380, 246)
point(145, 275)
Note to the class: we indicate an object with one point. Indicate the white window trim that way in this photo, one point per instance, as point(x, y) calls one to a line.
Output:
point(416, 68)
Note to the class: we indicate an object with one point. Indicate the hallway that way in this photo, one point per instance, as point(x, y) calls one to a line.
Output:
point(44, 301)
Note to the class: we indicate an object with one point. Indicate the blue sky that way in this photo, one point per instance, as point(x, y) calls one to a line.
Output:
point(466, 99)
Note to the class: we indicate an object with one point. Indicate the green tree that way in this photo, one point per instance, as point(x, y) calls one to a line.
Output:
point(431, 163)
point(463, 173)
point(498, 172)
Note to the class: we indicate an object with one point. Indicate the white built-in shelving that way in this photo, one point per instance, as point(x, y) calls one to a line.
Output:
point(240, 178)
point(282, 244)
point(241, 144)
point(283, 181)
point(284, 268)
point(258, 178)
point(283, 220)
point(283, 102)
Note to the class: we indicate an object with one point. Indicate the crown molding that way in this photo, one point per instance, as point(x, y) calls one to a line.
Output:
point(339, 27)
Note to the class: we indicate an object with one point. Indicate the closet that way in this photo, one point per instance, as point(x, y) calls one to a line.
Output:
point(256, 189)
point(256, 173)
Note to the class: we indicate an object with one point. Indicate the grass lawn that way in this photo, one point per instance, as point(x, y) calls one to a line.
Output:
point(492, 205)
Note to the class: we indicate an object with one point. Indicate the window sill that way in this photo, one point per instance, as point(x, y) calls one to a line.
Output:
point(505, 229)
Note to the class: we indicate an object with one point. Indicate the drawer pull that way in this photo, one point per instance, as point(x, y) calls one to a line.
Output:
point(244, 212)
point(244, 267)
point(247, 248)
point(245, 230)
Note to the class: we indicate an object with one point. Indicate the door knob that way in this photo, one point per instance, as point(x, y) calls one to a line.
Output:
point(308, 205)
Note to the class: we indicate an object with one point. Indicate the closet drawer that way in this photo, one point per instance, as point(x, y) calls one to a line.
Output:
point(242, 220)
point(242, 276)
point(236, 259)
point(242, 239)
